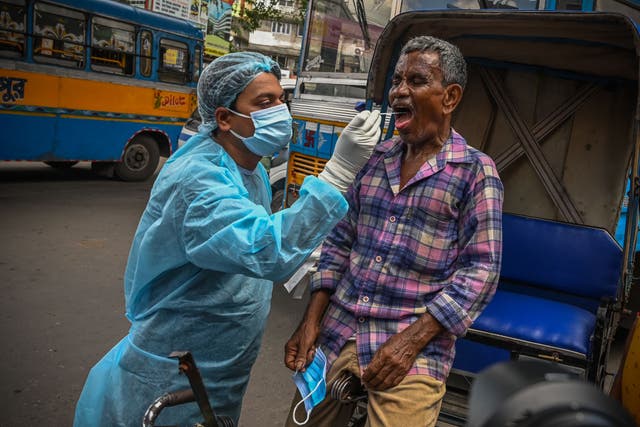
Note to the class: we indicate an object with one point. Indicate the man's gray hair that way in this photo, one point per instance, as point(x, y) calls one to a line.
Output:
point(452, 63)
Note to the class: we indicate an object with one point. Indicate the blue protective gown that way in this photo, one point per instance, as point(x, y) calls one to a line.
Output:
point(199, 278)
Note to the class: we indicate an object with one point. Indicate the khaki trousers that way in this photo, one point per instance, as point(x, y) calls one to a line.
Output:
point(415, 402)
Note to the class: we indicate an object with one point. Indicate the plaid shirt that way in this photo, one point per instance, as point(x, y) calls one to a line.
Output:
point(433, 246)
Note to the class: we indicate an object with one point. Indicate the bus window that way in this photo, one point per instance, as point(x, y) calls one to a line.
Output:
point(409, 5)
point(338, 42)
point(174, 62)
point(569, 5)
point(328, 89)
point(12, 28)
point(58, 36)
point(146, 44)
point(196, 64)
point(112, 46)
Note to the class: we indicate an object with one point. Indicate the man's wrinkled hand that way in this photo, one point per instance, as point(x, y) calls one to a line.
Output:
point(390, 364)
point(300, 350)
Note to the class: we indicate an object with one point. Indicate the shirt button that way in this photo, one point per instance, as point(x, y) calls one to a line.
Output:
point(392, 219)
point(365, 299)
point(361, 319)
point(378, 258)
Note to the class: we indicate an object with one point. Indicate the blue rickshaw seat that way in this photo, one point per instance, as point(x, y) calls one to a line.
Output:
point(556, 281)
point(538, 321)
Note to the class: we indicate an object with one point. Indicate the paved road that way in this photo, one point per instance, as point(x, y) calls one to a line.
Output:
point(65, 239)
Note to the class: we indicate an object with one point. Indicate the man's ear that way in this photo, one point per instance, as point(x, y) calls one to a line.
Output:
point(452, 97)
point(222, 118)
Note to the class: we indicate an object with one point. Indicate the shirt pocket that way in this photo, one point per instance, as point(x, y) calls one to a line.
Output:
point(431, 241)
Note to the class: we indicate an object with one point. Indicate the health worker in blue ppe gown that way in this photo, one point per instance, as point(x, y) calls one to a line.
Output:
point(208, 248)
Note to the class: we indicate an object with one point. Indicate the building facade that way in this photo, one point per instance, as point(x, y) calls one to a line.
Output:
point(281, 40)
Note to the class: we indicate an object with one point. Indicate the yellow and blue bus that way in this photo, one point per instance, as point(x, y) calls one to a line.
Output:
point(94, 80)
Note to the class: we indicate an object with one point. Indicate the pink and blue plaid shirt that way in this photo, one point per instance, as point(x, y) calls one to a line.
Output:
point(433, 246)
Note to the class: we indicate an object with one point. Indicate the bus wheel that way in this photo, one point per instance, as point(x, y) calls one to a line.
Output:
point(61, 164)
point(140, 159)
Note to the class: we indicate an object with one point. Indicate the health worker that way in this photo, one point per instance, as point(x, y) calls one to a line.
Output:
point(208, 248)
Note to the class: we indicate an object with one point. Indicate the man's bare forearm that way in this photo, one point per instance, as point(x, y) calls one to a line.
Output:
point(421, 332)
point(317, 306)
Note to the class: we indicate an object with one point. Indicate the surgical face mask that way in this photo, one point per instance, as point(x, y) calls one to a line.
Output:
point(272, 130)
point(311, 384)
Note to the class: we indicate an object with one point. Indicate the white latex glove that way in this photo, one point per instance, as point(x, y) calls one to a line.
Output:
point(353, 149)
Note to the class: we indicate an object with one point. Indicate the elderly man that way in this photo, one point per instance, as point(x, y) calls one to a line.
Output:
point(207, 249)
point(413, 263)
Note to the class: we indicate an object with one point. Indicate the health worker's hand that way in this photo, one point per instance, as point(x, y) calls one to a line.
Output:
point(300, 350)
point(353, 149)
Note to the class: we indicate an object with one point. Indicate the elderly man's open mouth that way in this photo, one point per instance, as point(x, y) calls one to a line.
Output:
point(403, 114)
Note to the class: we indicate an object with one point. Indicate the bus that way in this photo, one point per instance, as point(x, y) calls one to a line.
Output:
point(94, 80)
point(337, 47)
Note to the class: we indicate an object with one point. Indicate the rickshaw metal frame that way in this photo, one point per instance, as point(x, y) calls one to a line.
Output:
point(612, 35)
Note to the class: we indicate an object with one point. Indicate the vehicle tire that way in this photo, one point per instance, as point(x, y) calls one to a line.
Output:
point(140, 159)
point(58, 164)
point(277, 195)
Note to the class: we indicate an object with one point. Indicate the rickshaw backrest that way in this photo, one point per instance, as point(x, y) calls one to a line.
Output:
point(541, 255)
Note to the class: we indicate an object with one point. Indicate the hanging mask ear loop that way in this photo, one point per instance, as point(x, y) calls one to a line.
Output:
point(234, 133)
point(238, 114)
point(293, 416)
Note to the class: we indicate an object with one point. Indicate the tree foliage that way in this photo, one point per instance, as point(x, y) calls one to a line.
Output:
point(252, 12)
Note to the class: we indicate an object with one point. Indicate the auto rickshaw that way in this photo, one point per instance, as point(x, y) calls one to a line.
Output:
point(552, 97)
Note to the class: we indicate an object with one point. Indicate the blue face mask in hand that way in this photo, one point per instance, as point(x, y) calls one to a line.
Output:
point(311, 384)
point(272, 130)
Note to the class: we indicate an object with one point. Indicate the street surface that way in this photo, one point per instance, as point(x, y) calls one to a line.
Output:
point(65, 241)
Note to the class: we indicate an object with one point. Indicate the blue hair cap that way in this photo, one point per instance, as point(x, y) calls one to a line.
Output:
point(225, 78)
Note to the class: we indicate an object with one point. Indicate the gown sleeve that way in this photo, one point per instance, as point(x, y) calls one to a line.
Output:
point(223, 230)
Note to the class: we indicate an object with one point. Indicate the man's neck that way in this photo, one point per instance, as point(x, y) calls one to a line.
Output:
point(418, 154)
point(236, 149)
point(421, 152)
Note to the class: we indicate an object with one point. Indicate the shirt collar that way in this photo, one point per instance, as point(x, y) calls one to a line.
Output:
point(455, 149)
